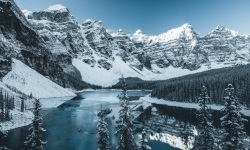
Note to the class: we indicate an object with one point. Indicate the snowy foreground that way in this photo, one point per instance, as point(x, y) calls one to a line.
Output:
point(25, 118)
point(147, 98)
point(23, 79)
point(20, 119)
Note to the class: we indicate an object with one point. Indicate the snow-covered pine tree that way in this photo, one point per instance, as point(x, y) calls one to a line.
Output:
point(205, 137)
point(144, 141)
point(124, 129)
point(232, 122)
point(102, 133)
point(34, 140)
point(185, 133)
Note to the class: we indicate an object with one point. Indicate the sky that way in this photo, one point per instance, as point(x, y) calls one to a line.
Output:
point(155, 16)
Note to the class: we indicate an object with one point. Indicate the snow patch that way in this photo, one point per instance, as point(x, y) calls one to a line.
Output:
point(172, 140)
point(28, 81)
point(57, 7)
point(185, 30)
point(19, 119)
point(138, 36)
point(26, 12)
point(100, 76)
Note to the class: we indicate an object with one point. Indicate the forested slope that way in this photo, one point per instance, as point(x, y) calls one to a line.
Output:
point(187, 88)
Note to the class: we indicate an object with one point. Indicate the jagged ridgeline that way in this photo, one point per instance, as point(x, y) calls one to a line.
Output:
point(73, 54)
point(186, 88)
point(21, 41)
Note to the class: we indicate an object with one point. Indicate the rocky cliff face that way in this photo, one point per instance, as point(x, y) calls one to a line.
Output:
point(53, 43)
point(182, 47)
point(177, 47)
point(225, 46)
point(22, 40)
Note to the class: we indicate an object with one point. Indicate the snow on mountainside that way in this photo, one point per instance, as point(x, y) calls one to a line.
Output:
point(87, 52)
point(105, 78)
point(138, 36)
point(27, 81)
point(57, 7)
point(174, 53)
point(185, 31)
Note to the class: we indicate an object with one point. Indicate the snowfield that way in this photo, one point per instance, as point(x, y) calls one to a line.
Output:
point(20, 119)
point(27, 81)
point(100, 76)
point(172, 140)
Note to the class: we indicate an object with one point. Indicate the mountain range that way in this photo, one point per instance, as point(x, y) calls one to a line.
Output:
point(75, 55)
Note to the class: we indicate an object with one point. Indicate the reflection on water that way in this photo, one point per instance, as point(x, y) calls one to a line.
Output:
point(73, 125)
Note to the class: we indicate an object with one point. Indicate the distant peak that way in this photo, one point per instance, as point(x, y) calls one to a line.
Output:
point(26, 12)
point(88, 21)
point(220, 27)
point(186, 25)
point(57, 7)
point(120, 32)
point(186, 31)
point(138, 32)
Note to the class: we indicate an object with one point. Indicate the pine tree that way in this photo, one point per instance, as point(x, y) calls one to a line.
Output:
point(185, 133)
point(102, 133)
point(1, 105)
point(205, 138)
point(7, 110)
point(3, 134)
point(12, 103)
point(232, 122)
point(125, 127)
point(144, 141)
point(22, 104)
point(34, 140)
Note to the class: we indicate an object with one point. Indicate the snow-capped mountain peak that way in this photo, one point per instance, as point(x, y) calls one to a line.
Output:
point(26, 12)
point(138, 32)
point(148, 57)
point(186, 31)
point(57, 8)
point(119, 32)
point(186, 25)
point(222, 29)
point(138, 36)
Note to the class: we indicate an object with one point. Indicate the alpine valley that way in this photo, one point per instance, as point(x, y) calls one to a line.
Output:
point(84, 55)
point(68, 85)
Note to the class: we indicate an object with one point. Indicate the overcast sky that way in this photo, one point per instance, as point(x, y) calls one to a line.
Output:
point(155, 16)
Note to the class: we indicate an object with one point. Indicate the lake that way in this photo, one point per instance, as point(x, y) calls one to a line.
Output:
point(72, 126)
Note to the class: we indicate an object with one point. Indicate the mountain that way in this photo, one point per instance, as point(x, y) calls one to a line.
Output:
point(73, 54)
point(176, 47)
point(41, 49)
